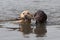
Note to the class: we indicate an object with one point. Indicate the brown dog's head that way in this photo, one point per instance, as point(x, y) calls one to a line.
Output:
point(40, 16)
point(26, 16)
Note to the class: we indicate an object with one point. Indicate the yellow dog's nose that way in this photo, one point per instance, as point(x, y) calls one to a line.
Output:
point(27, 17)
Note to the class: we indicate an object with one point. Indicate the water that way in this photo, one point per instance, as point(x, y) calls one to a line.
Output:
point(12, 8)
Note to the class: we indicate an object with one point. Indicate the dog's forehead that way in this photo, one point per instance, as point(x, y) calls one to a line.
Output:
point(25, 12)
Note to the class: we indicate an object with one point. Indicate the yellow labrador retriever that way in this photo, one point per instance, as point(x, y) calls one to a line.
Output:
point(25, 17)
point(25, 20)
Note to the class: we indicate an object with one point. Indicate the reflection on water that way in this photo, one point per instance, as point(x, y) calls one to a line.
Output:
point(40, 30)
point(25, 28)
point(28, 32)
point(1, 26)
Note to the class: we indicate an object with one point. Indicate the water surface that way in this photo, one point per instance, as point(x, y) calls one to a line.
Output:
point(10, 9)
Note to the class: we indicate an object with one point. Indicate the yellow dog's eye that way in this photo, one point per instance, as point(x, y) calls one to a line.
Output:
point(23, 13)
point(27, 13)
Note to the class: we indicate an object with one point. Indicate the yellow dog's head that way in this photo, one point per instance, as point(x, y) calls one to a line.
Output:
point(26, 16)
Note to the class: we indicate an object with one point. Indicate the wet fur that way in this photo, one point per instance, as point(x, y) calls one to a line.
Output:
point(26, 20)
point(40, 16)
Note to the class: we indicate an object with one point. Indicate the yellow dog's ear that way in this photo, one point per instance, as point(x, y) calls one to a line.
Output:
point(21, 15)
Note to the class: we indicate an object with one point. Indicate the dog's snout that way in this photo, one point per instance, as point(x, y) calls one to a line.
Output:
point(26, 16)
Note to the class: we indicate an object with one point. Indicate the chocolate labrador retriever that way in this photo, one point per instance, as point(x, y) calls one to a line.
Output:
point(40, 16)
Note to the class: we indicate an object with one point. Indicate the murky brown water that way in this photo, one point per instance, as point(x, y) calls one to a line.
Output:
point(9, 30)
